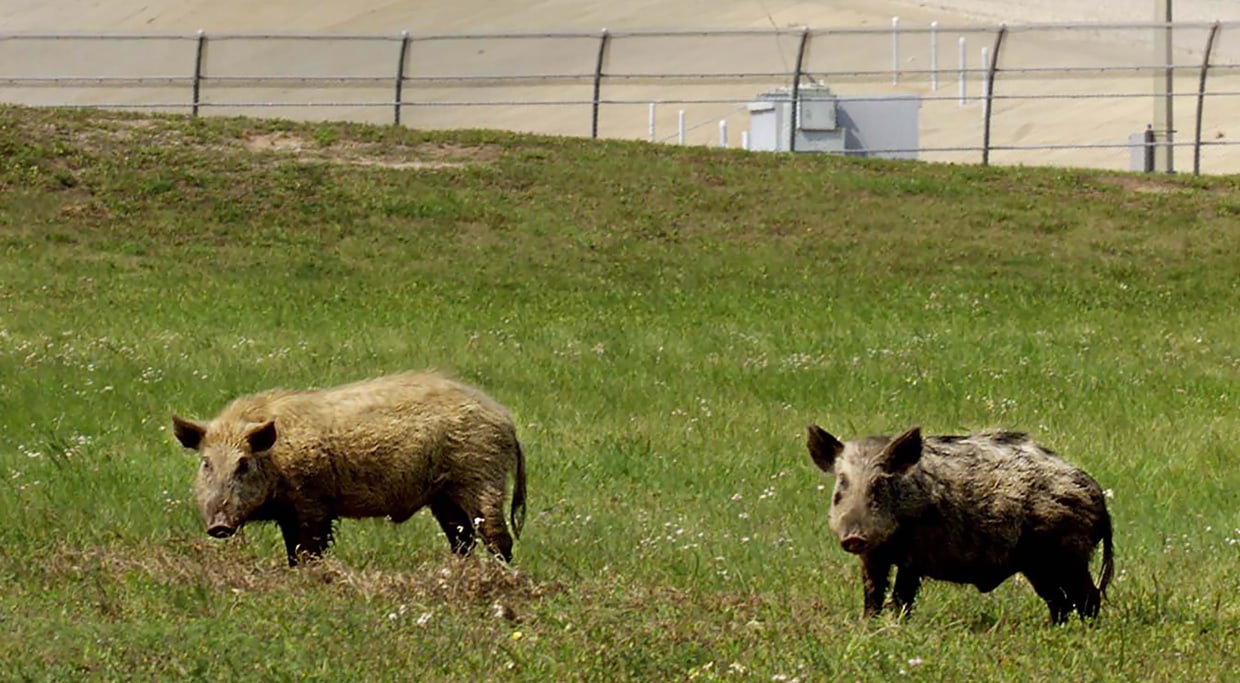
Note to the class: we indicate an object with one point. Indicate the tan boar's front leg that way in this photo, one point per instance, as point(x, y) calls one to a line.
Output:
point(305, 537)
point(874, 577)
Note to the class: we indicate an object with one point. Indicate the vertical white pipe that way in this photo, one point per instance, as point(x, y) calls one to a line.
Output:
point(963, 60)
point(723, 134)
point(985, 81)
point(895, 50)
point(745, 140)
point(680, 127)
point(650, 124)
point(934, 56)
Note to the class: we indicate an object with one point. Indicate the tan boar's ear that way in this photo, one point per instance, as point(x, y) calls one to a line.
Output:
point(823, 447)
point(902, 452)
point(261, 437)
point(188, 432)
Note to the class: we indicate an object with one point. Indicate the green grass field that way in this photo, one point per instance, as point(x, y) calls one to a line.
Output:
point(663, 322)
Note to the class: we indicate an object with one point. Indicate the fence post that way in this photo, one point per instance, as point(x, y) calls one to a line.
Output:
point(934, 56)
point(680, 127)
point(796, 89)
point(895, 50)
point(962, 60)
point(990, 91)
point(723, 134)
point(1150, 140)
point(604, 39)
point(400, 76)
point(1201, 97)
point(745, 140)
point(200, 58)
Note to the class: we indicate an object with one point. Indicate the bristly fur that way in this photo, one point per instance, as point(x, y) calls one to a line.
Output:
point(970, 509)
point(384, 447)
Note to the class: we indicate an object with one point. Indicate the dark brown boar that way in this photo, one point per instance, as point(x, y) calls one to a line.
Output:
point(969, 509)
point(385, 447)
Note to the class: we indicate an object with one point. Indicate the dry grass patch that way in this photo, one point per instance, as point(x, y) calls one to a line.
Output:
point(227, 567)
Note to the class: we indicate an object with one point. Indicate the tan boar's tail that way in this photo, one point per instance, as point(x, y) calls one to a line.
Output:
point(1108, 557)
point(516, 515)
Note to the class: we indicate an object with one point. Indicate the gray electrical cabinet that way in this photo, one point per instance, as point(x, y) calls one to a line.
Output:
point(873, 125)
point(770, 121)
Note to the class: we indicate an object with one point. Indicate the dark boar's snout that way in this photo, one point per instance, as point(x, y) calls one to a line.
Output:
point(219, 527)
point(855, 544)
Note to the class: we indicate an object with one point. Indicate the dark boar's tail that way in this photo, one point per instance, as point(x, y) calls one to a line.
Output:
point(516, 515)
point(1108, 557)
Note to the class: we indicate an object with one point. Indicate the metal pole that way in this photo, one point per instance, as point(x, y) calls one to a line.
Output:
point(200, 57)
point(723, 134)
point(650, 123)
point(745, 140)
point(796, 89)
point(1164, 85)
point(934, 56)
point(990, 88)
point(961, 59)
point(604, 39)
point(400, 76)
point(986, 83)
point(895, 50)
point(1201, 97)
point(680, 127)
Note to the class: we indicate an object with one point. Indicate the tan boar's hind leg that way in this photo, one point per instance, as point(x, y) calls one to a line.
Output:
point(455, 522)
point(874, 577)
point(493, 529)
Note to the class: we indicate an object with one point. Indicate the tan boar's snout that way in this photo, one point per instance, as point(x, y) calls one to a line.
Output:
point(854, 543)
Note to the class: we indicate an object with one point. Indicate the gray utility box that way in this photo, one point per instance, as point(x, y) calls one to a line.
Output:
point(879, 125)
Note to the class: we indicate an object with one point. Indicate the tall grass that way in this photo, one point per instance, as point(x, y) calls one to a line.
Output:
point(663, 322)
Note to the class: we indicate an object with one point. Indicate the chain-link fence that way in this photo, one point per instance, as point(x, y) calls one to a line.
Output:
point(1097, 95)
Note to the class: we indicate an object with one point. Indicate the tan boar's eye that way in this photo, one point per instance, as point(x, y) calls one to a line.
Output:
point(243, 466)
point(206, 464)
point(838, 497)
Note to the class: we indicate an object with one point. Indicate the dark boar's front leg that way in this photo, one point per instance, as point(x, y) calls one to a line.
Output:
point(874, 573)
point(305, 537)
point(907, 584)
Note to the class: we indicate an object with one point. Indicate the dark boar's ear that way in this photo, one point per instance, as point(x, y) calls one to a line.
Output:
point(261, 437)
point(823, 448)
point(902, 452)
point(188, 432)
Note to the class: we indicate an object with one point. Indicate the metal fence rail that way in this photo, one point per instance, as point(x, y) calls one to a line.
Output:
point(1067, 94)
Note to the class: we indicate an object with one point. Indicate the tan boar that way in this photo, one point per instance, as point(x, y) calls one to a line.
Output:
point(384, 447)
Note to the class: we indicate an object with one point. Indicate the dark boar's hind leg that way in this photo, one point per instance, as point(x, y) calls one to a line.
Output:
point(874, 577)
point(455, 522)
point(1048, 586)
point(306, 538)
point(1082, 592)
point(905, 591)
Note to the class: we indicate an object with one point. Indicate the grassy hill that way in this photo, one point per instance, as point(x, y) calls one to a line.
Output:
point(663, 322)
